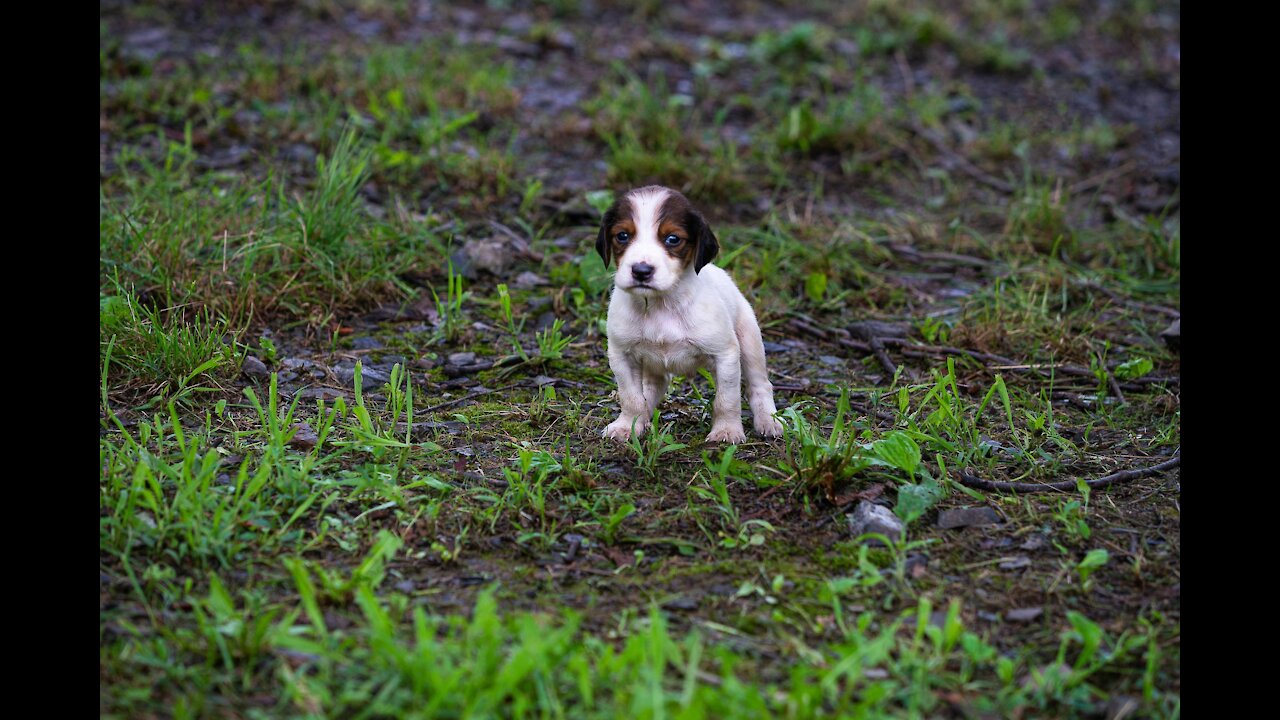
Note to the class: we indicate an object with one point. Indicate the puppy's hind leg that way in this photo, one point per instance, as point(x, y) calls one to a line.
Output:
point(759, 389)
point(726, 409)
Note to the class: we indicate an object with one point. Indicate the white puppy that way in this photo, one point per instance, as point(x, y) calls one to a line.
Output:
point(672, 312)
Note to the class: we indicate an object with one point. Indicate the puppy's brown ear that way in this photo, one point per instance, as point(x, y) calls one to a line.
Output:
point(603, 245)
point(704, 239)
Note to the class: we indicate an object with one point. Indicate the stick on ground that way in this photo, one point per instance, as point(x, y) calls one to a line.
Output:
point(1066, 485)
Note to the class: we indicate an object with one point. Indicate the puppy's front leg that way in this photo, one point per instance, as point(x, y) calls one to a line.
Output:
point(636, 410)
point(656, 383)
point(726, 411)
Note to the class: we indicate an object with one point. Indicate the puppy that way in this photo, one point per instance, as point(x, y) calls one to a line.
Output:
point(672, 312)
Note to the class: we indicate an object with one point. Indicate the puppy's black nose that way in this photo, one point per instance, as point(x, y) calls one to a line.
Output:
point(642, 271)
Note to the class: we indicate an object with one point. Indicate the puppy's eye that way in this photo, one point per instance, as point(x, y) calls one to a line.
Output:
point(623, 237)
point(672, 240)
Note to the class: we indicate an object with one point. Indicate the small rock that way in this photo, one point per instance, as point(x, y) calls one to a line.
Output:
point(462, 358)
point(1014, 563)
point(968, 517)
point(1033, 542)
point(773, 347)
point(322, 393)
point(527, 280)
point(366, 343)
point(681, 603)
point(541, 380)
point(1170, 335)
point(254, 368)
point(305, 438)
point(544, 321)
point(369, 377)
point(405, 586)
point(830, 360)
point(872, 518)
point(1024, 614)
point(493, 255)
point(287, 376)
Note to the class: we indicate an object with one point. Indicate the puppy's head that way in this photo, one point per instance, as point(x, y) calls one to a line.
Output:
point(657, 238)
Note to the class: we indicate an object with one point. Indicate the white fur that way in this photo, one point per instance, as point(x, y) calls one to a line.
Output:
point(688, 320)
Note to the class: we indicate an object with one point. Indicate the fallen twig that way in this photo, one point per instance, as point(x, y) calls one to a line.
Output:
point(886, 362)
point(1115, 387)
point(1066, 485)
point(989, 362)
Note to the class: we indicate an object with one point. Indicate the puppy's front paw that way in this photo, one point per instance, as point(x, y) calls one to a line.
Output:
point(620, 429)
point(727, 434)
point(768, 426)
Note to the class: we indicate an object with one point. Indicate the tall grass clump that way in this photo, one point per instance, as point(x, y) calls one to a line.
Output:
point(332, 213)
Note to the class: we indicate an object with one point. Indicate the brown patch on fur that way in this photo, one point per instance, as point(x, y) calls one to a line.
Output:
point(616, 219)
point(682, 252)
point(677, 217)
point(626, 225)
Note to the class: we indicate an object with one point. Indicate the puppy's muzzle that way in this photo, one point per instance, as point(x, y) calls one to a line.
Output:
point(642, 272)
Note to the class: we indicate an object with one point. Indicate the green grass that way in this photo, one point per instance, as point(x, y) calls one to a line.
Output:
point(645, 129)
point(371, 531)
point(410, 663)
point(159, 353)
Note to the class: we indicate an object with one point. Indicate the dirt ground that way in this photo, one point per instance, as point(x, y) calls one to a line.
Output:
point(1007, 205)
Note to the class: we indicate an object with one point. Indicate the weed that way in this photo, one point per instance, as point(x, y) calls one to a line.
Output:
point(817, 461)
point(333, 211)
point(1095, 559)
point(504, 304)
point(551, 343)
point(735, 532)
point(1072, 514)
point(158, 352)
point(450, 309)
point(655, 443)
